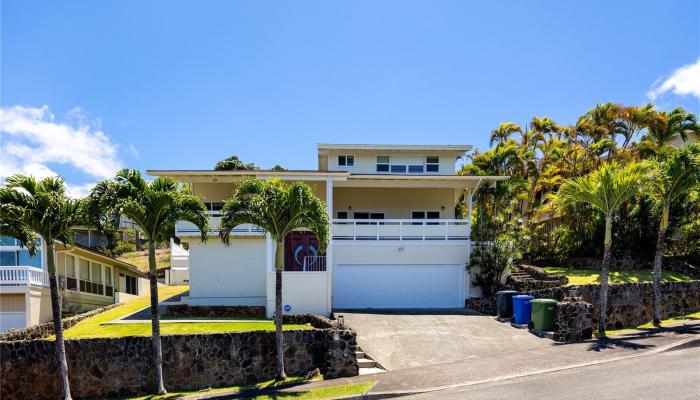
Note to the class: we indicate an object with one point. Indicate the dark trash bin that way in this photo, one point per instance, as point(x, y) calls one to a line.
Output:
point(521, 309)
point(504, 303)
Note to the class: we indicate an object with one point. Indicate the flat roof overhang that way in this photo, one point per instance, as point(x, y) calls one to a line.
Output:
point(235, 176)
point(418, 181)
point(460, 148)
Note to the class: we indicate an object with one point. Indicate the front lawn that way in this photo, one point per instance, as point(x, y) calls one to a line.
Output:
point(92, 328)
point(309, 394)
point(666, 323)
point(592, 276)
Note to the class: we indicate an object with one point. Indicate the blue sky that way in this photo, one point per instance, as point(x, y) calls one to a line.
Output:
point(175, 84)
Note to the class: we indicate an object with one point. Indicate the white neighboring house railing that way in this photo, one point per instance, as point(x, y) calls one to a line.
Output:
point(400, 229)
point(314, 263)
point(23, 276)
point(185, 228)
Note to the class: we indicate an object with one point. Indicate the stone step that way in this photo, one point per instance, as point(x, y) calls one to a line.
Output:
point(366, 363)
point(360, 354)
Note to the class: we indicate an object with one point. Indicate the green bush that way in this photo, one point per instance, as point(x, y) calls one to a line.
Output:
point(123, 247)
point(493, 260)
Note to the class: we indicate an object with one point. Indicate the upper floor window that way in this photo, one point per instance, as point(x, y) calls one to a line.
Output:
point(346, 161)
point(415, 169)
point(432, 164)
point(383, 163)
point(398, 169)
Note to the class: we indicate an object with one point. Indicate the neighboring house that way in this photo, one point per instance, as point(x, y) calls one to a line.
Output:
point(679, 142)
point(395, 239)
point(87, 280)
point(179, 271)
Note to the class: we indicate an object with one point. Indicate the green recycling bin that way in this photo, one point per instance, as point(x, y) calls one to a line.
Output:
point(542, 316)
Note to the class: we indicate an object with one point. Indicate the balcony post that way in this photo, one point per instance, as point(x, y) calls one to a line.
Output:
point(329, 248)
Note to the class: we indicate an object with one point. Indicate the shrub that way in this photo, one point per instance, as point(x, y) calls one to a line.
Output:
point(493, 260)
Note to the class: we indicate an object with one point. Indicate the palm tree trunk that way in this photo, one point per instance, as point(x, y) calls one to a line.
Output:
point(57, 323)
point(155, 319)
point(603, 299)
point(279, 338)
point(658, 261)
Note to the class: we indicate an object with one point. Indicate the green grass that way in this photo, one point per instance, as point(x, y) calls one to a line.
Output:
point(311, 394)
point(92, 328)
point(664, 323)
point(592, 276)
point(140, 259)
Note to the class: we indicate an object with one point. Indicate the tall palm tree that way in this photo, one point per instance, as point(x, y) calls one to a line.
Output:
point(155, 207)
point(605, 189)
point(29, 207)
point(279, 209)
point(665, 126)
point(676, 175)
point(504, 132)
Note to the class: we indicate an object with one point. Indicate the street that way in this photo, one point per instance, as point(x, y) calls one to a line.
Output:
point(667, 375)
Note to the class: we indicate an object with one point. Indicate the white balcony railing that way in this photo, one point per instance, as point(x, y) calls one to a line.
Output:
point(400, 229)
point(314, 263)
point(185, 228)
point(23, 276)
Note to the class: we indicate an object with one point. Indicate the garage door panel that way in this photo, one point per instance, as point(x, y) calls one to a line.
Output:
point(397, 286)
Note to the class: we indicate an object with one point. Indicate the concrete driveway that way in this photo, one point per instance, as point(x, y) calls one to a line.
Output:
point(399, 339)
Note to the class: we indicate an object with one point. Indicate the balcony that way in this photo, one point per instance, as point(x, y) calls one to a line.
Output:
point(23, 276)
point(185, 228)
point(401, 229)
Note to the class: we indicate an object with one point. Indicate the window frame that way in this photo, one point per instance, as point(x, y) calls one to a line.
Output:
point(429, 164)
point(346, 165)
point(387, 164)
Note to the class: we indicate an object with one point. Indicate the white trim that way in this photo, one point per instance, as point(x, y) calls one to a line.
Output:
point(400, 147)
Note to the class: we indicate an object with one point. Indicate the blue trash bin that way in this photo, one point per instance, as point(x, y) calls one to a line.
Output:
point(521, 309)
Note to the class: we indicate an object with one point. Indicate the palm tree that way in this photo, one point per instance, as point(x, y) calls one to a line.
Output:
point(504, 132)
point(279, 209)
point(155, 207)
point(29, 207)
point(605, 189)
point(665, 126)
point(676, 175)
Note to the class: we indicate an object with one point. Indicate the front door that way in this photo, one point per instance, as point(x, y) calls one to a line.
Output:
point(297, 246)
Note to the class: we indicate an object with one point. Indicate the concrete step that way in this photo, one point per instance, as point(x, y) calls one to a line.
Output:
point(360, 354)
point(367, 371)
point(366, 363)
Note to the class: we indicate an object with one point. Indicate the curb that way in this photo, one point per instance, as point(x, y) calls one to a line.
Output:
point(681, 344)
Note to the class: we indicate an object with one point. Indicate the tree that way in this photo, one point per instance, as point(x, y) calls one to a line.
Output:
point(155, 207)
point(29, 207)
point(233, 163)
point(677, 174)
point(279, 209)
point(504, 132)
point(278, 167)
point(605, 189)
point(664, 127)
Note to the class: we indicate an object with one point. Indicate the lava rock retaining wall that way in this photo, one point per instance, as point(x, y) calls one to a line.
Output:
point(631, 304)
point(573, 322)
point(112, 367)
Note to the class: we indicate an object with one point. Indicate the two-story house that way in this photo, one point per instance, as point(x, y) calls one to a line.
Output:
point(397, 240)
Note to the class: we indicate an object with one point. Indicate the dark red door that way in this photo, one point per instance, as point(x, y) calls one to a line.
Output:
point(297, 246)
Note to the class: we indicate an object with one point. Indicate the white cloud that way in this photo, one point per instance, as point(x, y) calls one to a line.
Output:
point(32, 142)
point(683, 81)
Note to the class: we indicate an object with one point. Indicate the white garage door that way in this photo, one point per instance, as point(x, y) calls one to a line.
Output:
point(11, 320)
point(398, 286)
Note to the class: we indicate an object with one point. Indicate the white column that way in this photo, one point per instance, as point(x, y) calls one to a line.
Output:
point(270, 274)
point(469, 215)
point(329, 248)
point(467, 280)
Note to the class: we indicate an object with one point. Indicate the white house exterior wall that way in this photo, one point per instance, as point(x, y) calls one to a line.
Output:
point(366, 161)
point(228, 275)
point(394, 202)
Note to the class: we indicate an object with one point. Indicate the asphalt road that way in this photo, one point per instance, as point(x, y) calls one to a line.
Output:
point(669, 376)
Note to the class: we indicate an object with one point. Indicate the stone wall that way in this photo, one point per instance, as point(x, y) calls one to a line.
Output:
point(112, 367)
point(185, 310)
point(574, 321)
point(483, 305)
point(631, 304)
point(46, 329)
